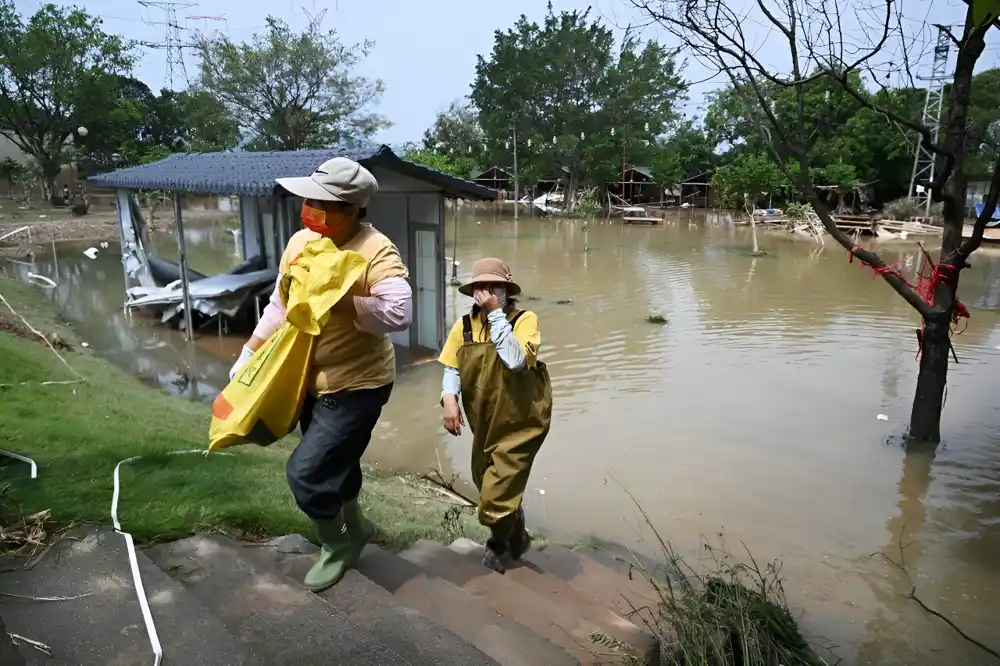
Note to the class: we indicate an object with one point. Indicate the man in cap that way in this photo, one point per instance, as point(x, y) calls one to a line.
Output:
point(354, 363)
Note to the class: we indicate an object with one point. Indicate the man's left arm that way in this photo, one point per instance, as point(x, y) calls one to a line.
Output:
point(389, 308)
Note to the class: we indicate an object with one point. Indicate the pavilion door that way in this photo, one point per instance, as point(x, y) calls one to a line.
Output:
point(427, 259)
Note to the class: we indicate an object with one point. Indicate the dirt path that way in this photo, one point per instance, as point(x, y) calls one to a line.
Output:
point(36, 229)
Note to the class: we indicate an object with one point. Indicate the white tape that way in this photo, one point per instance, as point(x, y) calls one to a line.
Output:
point(18, 456)
point(133, 560)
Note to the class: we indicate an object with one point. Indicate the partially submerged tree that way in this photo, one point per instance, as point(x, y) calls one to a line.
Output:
point(813, 31)
point(55, 68)
point(292, 90)
point(749, 179)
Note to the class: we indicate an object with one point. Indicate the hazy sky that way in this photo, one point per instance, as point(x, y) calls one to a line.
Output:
point(425, 52)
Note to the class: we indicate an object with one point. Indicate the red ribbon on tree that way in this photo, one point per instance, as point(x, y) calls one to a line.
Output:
point(930, 276)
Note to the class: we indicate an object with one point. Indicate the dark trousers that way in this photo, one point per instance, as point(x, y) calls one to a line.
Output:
point(324, 470)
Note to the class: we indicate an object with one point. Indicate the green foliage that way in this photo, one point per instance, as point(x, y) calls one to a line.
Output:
point(456, 132)
point(292, 90)
point(155, 154)
point(56, 68)
point(850, 144)
point(590, 203)
point(578, 99)
point(750, 178)
point(456, 165)
point(686, 152)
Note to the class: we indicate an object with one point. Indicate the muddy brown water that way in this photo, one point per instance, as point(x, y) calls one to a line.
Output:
point(754, 412)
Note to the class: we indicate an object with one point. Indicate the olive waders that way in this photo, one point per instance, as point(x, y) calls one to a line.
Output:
point(509, 414)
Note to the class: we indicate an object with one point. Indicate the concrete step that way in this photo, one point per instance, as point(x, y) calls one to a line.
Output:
point(632, 598)
point(401, 627)
point(105, 626)
point(274, 616)
point(643, 642)
point(9, 654)
point(504, 640)
point(562, 625)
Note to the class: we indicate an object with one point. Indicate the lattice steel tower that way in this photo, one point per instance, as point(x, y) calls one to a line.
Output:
point(923, 159)
point(172, 43)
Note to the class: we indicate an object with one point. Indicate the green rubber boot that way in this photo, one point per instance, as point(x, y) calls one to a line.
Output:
point(337, 554)
point(360, 529)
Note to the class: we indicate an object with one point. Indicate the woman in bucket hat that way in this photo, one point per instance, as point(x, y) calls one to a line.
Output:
point(491, 361)
point(353, 364)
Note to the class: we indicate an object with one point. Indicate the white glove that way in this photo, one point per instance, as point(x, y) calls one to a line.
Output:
point(245, 355)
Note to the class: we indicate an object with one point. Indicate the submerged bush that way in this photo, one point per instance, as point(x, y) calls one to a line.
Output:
point(727, 611)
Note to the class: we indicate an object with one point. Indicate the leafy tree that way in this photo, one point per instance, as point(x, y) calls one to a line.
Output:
point(192, 119)
point(456, 131)
point(562, 85)
point(750, 178)
point(686, 152)
point(118, 128)
point(292, 90)
point(450, 163)
point(55, 68)
point(843, 130)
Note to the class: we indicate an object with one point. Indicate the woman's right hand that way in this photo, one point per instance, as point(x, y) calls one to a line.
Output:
point(453, 419)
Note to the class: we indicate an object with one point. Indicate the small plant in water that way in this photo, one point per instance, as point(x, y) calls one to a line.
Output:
point(654, 318)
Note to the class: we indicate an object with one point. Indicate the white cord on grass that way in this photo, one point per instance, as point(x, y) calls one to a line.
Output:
point(18, 456)
point(133, 560)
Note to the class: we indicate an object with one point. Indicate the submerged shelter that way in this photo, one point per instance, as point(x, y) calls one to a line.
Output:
point(409, 209)
point(494, 178)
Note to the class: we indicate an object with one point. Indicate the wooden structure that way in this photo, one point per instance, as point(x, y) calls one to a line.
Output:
point(494, 178)
point(551, 182)
point(638, 215)
point(697, 191)
point(637, 186)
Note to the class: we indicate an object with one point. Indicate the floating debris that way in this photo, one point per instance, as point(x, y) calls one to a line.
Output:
point(882, 417)
point(91, 252)
point(563, 301)
point(654, 318)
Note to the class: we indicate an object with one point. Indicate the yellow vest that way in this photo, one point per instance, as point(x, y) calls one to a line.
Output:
point(345, 358)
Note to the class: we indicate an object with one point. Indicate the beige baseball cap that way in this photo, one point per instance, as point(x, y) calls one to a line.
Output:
point(339, 179)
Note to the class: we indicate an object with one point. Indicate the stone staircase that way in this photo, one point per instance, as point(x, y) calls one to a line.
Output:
point(218, 602)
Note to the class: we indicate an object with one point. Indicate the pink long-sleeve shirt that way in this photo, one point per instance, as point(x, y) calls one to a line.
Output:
point(387, 310)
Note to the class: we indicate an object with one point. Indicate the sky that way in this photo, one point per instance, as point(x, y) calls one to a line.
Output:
point(425, 52)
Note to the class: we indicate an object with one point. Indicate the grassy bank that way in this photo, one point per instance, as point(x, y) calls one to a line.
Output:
point(77, 433)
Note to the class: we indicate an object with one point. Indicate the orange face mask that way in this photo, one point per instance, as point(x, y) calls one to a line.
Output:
point(314, 219)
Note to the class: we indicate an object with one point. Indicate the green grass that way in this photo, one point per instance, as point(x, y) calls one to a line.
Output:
point(77, 434)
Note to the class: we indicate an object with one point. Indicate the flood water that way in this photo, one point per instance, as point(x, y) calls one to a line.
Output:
point(754, 412)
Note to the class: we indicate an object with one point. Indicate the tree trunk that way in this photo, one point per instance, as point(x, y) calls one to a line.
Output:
point(932, 380)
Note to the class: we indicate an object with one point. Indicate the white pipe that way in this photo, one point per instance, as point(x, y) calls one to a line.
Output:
point(18, 456)
point(147, 615)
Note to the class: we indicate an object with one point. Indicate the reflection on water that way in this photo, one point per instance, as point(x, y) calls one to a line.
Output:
point(753, 411)
point(90, 293)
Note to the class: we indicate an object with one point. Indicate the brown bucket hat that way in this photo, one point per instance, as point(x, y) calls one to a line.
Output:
point(491, 271)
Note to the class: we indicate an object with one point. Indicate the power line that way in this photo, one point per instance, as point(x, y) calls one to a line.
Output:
point(172, 42)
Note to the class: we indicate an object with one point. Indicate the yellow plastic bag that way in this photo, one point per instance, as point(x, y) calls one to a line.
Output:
point(263, 402)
